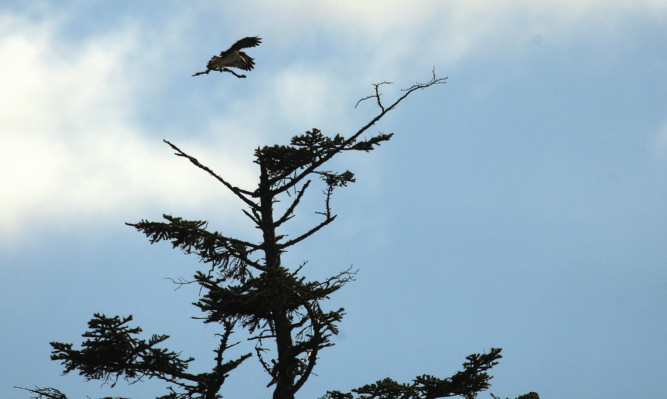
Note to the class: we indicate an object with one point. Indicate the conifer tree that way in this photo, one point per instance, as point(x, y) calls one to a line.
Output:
point(245, 285)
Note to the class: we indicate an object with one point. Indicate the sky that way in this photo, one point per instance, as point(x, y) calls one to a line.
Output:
point(520, 205)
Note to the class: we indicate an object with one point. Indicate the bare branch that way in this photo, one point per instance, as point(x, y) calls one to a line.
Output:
point(263, 362)
point(219, 70)
point(384, 110)
point(308, 233)
point(237, 191)
point(311, 354)
point(376, 95)
point(434, 81)
point(252, 217)
point(290, 210)
point(180, 282)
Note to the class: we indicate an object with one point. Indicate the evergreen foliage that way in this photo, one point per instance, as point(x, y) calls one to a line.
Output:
point(246, 286)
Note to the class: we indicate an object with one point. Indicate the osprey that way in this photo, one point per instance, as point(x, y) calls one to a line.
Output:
point(233, 58)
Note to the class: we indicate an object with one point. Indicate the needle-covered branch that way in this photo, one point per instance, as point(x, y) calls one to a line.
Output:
point(46, 393)
point(112, 351)
point(230, 255)
point(467, 383)
point(288, 165)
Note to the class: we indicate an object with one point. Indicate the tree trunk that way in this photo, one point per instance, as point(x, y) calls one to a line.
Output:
point(286, 364)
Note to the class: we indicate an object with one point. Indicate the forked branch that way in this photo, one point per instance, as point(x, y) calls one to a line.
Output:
point(348, 144)
point(376, 95)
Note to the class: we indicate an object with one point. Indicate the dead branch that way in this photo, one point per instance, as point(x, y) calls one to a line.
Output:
point(376, 95)
point(219, 70)
point(383, 111)
point(237, 191)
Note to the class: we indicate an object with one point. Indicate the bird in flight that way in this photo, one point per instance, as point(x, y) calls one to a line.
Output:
point(233, 58)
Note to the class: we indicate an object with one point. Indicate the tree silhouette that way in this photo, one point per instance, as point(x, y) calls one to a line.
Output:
point(245, 286)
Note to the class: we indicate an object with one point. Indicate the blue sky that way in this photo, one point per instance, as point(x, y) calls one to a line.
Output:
point(521, 205)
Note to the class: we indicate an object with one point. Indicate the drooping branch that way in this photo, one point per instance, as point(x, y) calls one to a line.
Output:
point(45, 393)
point(113, 351)
point(192, 237)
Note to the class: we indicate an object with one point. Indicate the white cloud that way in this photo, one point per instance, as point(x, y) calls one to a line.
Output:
point(70, 149)
point(72, 146)
point(315, 94)
point(393, 35)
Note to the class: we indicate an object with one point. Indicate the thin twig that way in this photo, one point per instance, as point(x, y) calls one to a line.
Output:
point(384, 110)
point(376, 95)
point(219, 70)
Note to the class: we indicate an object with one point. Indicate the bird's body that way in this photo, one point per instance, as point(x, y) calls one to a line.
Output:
point(233, 57)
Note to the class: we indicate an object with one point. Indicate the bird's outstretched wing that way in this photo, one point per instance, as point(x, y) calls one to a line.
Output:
point(233, 58)
point(250, 41)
